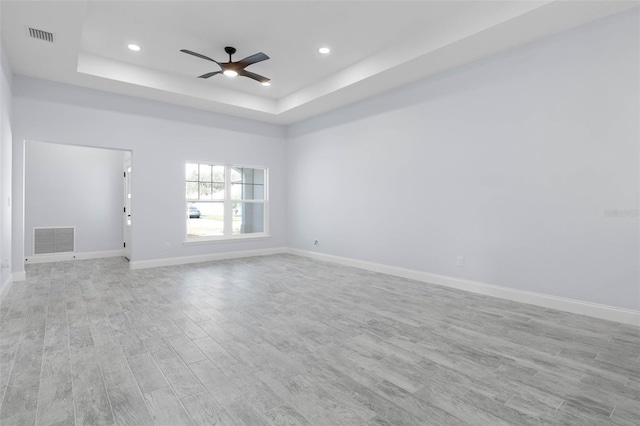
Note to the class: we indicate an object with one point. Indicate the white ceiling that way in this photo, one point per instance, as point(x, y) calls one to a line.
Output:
point(376, 45)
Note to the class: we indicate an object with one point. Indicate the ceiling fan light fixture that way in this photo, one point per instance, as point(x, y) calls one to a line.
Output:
point(266, 83)
point(231, 68)
point(134, 47)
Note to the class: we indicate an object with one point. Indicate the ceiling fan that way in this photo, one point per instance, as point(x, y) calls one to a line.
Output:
point(233, 69)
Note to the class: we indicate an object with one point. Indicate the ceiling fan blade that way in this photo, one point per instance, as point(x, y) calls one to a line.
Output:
point(199, 55)
point(210, 74)
point(254, 76)
point(258, 57)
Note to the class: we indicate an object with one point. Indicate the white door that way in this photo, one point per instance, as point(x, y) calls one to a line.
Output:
point(126, 250)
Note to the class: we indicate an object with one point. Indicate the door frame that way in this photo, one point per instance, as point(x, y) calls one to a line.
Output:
point(127, 218)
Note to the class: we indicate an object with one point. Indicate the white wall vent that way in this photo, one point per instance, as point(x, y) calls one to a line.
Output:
point(41, 35)
point(54, 240)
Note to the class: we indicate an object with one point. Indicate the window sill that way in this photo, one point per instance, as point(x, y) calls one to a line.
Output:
point(207, 240)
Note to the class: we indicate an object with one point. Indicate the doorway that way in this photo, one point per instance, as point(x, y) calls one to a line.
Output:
point(73, 186)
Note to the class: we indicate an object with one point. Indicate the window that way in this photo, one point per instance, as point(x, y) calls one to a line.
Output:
point(225, 201)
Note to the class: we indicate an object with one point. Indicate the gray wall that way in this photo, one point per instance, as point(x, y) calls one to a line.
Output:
point(510, 162)
point(5, 165)
point(162, 139)
point(68, 185)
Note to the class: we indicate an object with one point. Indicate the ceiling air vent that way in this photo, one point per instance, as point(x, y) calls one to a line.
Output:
point(41, 35)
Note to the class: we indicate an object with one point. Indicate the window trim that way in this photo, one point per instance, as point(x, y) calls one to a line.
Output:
point(228, 207)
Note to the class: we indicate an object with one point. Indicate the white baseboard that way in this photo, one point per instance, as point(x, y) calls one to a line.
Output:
point(63, 257)
point(19, 275)
point(611, 313)
point(6, 285)
point(172, 261)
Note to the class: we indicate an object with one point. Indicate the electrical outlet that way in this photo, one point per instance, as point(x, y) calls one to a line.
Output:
point(460, 261)
point(316, 243)
point(167, 246)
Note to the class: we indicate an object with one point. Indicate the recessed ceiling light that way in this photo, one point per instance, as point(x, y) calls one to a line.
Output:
point(230, 73)
point(134, 47)
point(266, 83)
point(324, 50)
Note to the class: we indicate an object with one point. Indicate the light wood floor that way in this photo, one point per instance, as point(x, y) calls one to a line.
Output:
point(284, 340)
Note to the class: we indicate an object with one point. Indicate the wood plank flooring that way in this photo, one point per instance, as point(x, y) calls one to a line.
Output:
point(285, 340)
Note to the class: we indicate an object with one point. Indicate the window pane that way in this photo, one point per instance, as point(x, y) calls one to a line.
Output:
point(236, 191)
point(247, 175)
point(247, 192)
point(205, 191)
point(207, 220)
point(192, 190)
point(218, 174)
point(258, 176)
point(192, 172)
point(218, 191)
point(248, 218)
point(258, 192)
point(236, 174)
point(205, 173)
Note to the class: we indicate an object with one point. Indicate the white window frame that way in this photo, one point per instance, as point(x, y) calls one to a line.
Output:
point(228, 208)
